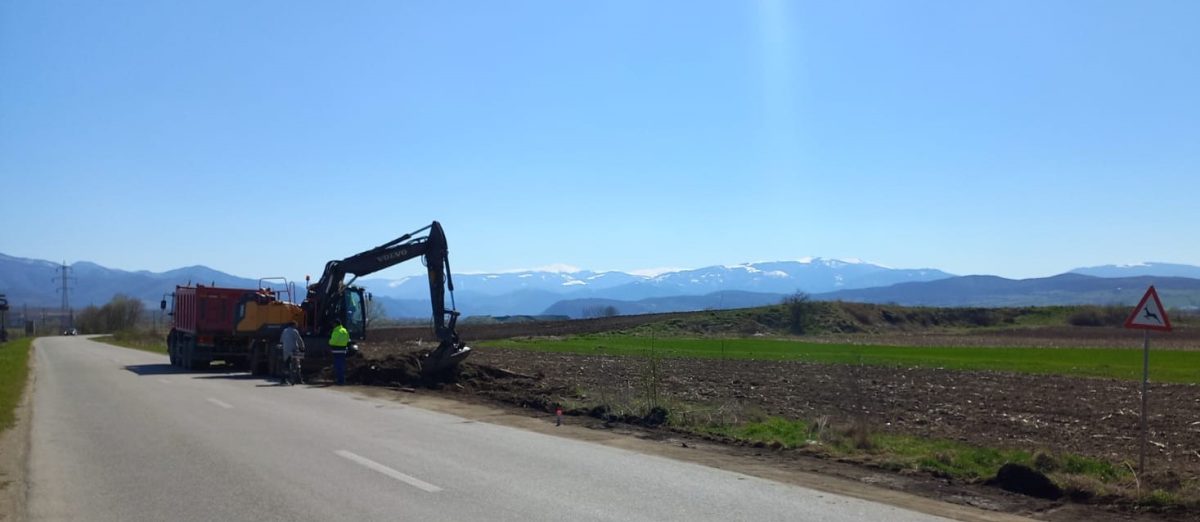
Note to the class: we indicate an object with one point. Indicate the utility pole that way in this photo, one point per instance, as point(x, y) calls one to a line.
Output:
point(3, 319)
point(65, 290)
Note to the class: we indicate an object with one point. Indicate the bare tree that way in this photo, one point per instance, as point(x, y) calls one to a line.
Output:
point(121, 313)
point(600, 311)
point(801, 311)
point(376, 312)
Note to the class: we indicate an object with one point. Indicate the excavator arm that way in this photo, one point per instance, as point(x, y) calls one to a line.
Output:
point(325, 297)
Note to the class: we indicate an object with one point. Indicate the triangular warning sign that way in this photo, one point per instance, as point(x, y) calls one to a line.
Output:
point(1149, 314)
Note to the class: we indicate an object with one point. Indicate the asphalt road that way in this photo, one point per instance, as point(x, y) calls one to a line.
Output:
point(118, 434)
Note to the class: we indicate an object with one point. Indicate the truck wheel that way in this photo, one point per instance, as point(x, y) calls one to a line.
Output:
point(196, 362)
point(257, 364)
point(186, 355)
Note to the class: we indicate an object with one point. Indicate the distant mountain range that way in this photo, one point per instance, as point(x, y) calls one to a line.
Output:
point(1141, 269)
point(582, 293)
point(31, 282)
point(532, 292)
point(1064, 289)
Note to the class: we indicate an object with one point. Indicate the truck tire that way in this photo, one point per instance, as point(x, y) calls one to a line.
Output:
point(252, 361)
point(273, 366)
point(258, 359)
point(171, 347)
point(186, 354)
point(198, 362)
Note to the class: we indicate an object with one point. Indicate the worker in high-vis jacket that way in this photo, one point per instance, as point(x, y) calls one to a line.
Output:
point(337, 345)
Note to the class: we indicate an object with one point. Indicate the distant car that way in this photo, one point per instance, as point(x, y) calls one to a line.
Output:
point(70, 332)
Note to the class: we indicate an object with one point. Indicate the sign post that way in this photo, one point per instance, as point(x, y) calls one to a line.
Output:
point(1148, 315)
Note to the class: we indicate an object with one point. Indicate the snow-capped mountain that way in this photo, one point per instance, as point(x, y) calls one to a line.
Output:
point(1141, 269)
point(504, 283)
point(811, 275)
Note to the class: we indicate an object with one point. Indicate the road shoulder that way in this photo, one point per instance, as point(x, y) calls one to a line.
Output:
point(14, 453)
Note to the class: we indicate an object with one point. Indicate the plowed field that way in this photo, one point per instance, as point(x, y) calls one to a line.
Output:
point(1088, 416)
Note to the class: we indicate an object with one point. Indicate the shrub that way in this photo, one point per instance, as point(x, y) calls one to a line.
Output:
point(1097, 316)
point(802, 312)
point(121, 313)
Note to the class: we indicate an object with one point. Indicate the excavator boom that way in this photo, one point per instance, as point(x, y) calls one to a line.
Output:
point(325, 298)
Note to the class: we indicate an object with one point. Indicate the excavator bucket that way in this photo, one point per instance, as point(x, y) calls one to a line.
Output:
point(444, 358)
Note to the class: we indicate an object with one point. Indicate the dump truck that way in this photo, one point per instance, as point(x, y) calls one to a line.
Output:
point(242, 326)
point(239, 326)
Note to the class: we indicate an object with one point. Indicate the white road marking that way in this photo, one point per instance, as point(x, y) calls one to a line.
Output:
point(412, 481)
point(222, 404)
point(164, 381)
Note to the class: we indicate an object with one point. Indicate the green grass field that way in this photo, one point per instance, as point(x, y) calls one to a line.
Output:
point(1165, 365)
point(14, 371)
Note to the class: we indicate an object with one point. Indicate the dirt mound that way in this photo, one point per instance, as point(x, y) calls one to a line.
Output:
point(1026, 481)
point(657, 416)
point(405, 369)
point(401, 369)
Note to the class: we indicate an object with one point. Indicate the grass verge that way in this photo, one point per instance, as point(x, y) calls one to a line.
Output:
point(136, 339)
point(1166, 366)
point(14, 372)
point(1081, 478)
point(895, 452)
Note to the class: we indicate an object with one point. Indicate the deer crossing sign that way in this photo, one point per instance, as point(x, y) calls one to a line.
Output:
point(1149, 314)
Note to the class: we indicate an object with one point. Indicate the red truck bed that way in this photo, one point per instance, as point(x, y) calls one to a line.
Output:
point(207, 310)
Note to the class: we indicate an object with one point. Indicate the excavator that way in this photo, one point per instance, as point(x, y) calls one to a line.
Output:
point(332, 298)
point(239, 325)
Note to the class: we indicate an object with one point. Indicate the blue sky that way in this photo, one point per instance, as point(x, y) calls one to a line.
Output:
point(1017, 138)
